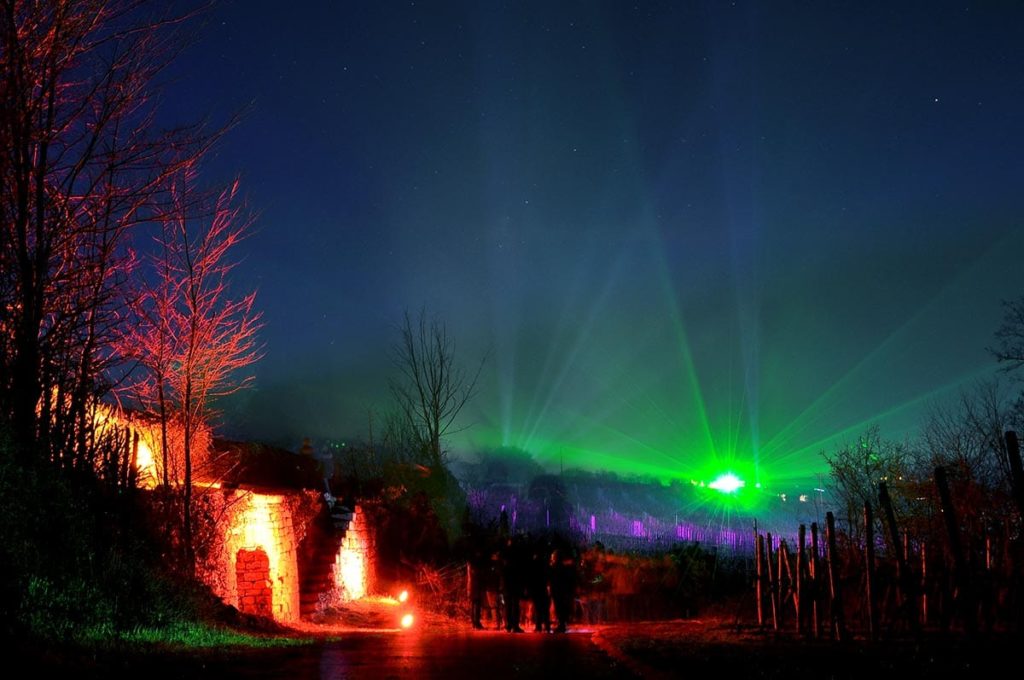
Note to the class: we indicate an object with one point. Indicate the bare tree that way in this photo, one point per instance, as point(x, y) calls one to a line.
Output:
point(1010, 336)
point(968, 436)
point(152, 340)
point(432, 388)
point(212, 333)
point(858, 467)
point(81, 165)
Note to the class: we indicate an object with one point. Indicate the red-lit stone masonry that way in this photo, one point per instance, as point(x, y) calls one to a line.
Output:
point(252, 569)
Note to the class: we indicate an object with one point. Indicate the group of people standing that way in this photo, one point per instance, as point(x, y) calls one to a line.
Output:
point(536, 571)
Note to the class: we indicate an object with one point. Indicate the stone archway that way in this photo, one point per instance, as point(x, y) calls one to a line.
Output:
point(255, 595)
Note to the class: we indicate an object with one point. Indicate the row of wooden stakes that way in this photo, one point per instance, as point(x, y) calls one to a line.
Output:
point(811, 579)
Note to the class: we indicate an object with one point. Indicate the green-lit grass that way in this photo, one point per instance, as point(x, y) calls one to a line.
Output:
point(189, 635)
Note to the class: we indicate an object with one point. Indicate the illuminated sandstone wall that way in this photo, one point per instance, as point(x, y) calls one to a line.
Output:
point(256, 565)
point(256, 522)
point(252, 573)
point(353, 565)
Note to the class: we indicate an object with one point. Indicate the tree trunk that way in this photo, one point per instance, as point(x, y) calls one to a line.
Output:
point(163, 429)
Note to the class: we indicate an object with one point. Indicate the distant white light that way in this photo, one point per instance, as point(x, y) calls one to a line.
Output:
point(727, 483)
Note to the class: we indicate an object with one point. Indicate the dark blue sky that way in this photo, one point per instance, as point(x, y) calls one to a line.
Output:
point(682, 230)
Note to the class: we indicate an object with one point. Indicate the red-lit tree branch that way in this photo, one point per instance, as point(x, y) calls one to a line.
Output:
point(212, 333)
point(81, 165)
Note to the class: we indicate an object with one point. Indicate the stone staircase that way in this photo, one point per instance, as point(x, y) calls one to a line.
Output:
point(319, 551)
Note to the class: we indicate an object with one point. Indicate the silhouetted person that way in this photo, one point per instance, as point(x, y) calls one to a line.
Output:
point(563, 585)
point(495, 588)
point(477, 582)
point(513, 581)
point(537, 586)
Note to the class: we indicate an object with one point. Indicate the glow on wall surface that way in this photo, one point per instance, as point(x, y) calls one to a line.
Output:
point(351, 564)
point(263, 522)
point(352, 573)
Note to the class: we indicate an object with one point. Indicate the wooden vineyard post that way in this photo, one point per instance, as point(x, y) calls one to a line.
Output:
point(869, 570)
point(905, 599)
point(924, 583)
point(834, 593)
point(815, 582)
point(771, 582)
point(800, 591)
point(783, 566)
point(759, 568)
point(965, 601)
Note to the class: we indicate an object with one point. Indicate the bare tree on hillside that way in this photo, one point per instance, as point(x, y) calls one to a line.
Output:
point(433, 387)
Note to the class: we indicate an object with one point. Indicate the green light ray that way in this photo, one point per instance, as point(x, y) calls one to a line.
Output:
point(560, 344)
point(807, 417)
point(666, 473)
point(570, 360)
point(683, 345)
point(857, 428)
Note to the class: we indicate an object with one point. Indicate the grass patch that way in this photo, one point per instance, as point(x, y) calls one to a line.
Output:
point(190, 635)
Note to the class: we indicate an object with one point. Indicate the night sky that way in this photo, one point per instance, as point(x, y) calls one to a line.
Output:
point(688, 236)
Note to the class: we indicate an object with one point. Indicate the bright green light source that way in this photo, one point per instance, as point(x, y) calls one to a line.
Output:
point(727, 483)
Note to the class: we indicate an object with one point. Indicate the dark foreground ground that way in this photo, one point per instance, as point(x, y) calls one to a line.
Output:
point(715, 648)
point(692, 649)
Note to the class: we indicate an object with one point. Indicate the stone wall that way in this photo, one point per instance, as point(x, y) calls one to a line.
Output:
point(252, 522)
point(353, 564)
point(255, 563)
point(252, 574)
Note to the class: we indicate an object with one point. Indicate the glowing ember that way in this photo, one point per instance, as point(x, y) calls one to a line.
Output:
point(407, 621)
point(727, 483)
point(403, 596)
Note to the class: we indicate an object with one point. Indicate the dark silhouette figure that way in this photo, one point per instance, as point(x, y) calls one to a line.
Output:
point(537, 586)
point(563, 585)
point(513, 582)
point(477, 582)
point(494, 589)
